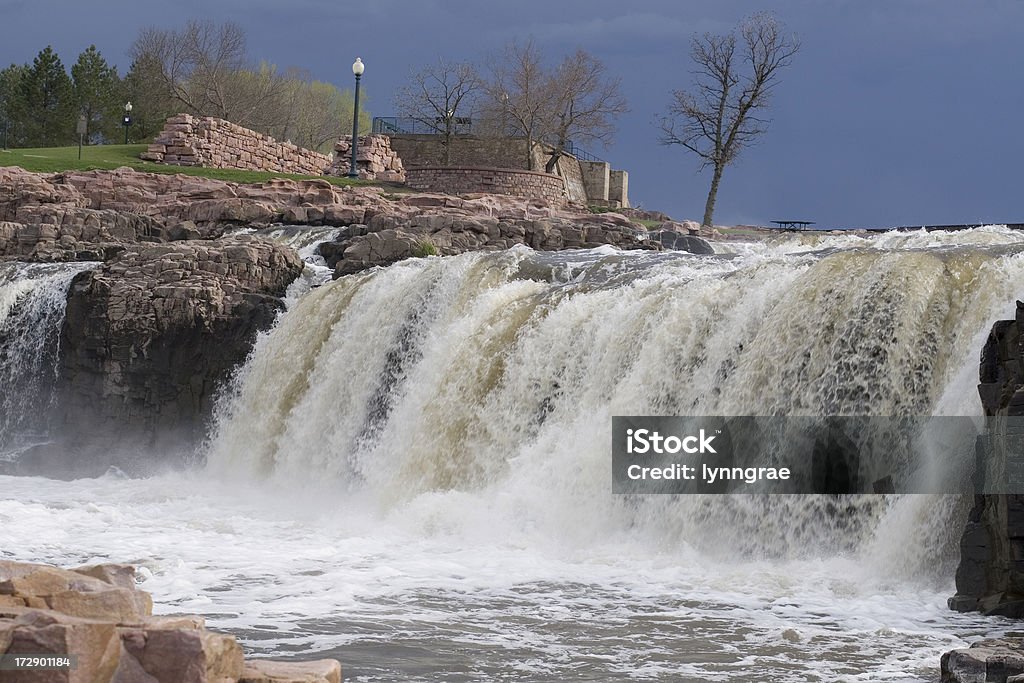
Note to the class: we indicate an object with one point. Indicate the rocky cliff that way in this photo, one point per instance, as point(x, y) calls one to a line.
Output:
point(92, 215)
point(990, 577)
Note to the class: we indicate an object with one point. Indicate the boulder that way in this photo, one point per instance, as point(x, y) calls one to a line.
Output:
point(269, 671)
point(986, 661)
point(95, 644)
point(178, 656)
point(99, 592)
point(119, 645)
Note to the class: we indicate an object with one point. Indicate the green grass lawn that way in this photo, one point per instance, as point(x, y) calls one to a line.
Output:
point(106, 157)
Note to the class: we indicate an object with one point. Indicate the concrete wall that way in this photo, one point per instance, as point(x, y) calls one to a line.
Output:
point(568, 168)
point(215, 143)
point(466, 150)
point(596, 179)
point(618, 188)
point(467, 180)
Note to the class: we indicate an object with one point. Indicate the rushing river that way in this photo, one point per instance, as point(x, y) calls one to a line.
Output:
point(411, 472)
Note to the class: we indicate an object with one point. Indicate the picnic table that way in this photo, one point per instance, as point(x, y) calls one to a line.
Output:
point(793, 225)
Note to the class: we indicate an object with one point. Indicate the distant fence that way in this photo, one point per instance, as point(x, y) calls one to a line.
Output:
point(401, 125)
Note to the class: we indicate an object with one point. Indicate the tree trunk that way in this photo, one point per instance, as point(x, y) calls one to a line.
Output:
point(709, 206)
point(553, 161)
point(529, 152)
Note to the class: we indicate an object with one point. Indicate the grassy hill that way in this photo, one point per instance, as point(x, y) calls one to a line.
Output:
point(106, 157)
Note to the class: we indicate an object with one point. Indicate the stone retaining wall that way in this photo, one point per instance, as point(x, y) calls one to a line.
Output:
point(474, 151)
point(466, 180)
point(209, 142)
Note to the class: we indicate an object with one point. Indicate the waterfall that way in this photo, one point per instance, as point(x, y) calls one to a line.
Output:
point(32, 303)
point(476, 392)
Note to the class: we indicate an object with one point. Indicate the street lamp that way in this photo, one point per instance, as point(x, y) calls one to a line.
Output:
point(127, 120)
point(357, 69)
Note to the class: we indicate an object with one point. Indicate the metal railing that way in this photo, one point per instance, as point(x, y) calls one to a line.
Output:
point(403, 125)
point(580, 153)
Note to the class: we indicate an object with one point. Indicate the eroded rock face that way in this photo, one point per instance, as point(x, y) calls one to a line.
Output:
point(149, 338)
point(118, 644)
point(93, 215)
point(990, 577)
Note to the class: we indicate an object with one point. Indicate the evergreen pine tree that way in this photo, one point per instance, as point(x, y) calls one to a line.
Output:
point(47, 106)
point(96, 88)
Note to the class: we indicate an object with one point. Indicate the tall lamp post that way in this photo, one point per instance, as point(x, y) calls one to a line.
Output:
point(357, 69)
point(127, 120)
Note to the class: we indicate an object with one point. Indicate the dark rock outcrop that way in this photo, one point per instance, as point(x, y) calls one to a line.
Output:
point(990, 577)
point(678, 241)
point(147, 341)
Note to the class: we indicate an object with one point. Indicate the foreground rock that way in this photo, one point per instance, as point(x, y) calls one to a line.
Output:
point(97, 614)
point(987, 661)
point(148, 339)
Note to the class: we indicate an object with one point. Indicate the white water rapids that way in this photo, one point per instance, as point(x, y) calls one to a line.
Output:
point(412, 471)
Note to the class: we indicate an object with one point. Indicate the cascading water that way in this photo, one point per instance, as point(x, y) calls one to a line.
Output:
point(412, 470)
point(305, 241)
point(32, 301)
point(493, 373)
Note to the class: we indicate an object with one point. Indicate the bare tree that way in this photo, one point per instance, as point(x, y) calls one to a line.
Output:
point(519, 94)
point(203, 68)
point(584, 103)
point(733, 82)
point(442, 97)
point(323, 114)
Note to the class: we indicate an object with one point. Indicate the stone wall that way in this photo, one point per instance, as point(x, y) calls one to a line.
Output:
point(375, 159)
point(215, 143)
point(467, 180)
point(422, 151)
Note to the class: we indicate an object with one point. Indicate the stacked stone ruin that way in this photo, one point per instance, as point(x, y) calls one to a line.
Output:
point(374, 158)
point(215, 143)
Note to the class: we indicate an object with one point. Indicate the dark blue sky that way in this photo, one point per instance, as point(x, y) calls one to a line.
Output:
point(894, 112)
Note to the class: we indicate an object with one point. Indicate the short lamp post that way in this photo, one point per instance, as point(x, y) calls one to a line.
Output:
point(357, 69)
point(127, 120)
